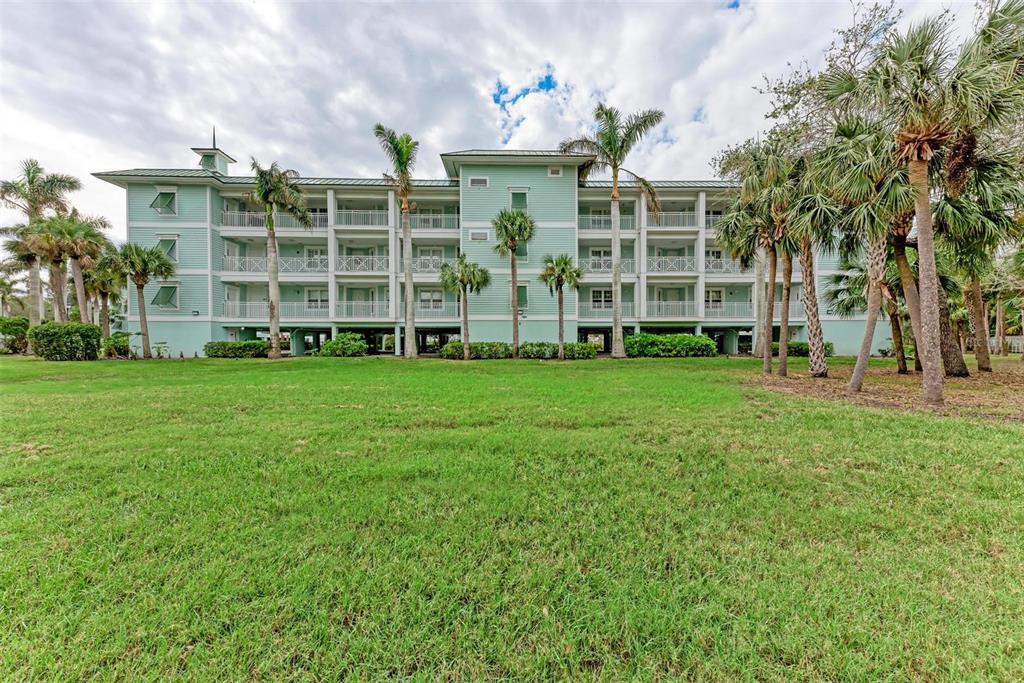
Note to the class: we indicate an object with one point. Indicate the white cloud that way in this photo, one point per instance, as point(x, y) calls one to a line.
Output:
point(94, 87)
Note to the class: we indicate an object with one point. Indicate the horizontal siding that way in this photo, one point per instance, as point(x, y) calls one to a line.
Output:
point(191, 204)
point(545, 241)
point(495, 299)
point(549, 199)
point(192, 296)
point(192, 243)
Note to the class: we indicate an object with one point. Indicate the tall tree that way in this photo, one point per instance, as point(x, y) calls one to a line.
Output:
point(84, 241)
point(35, 192)
point(141, 264)
point(558, 273)
point(401, 151)
point(513, 227)
point(614, 137)
point(108, 279)
point(276, 190)
point(464, 278)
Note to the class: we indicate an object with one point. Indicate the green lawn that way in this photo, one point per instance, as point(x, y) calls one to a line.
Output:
point(325, 518)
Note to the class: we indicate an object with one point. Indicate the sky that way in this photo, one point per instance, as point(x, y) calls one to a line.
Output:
point(87, 87)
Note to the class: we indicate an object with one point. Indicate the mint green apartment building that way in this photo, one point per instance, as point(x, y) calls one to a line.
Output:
point(345, 273)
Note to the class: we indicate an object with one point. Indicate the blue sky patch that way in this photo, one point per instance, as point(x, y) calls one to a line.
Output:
point(502, 97)
point(733, 4)
point(698, 115)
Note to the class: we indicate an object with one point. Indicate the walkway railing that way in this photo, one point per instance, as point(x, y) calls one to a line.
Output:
point(721, 265)
point(286, 264)
point(603, 222)
point(590, 311)
point(729, 309)
point(295, 310)
point(603, 264)
point(361, 264)
point(672, 219)
point(443, 311)
point(429, 264)
point(433, 221)
point(796, 309)
point(362, 218)
point(671, 309)
point(672, 264)
point(362, 309)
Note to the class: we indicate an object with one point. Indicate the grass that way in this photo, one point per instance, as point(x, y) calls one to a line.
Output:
point(371, 518)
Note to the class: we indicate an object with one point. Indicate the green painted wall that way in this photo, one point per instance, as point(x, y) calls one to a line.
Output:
point(191, 204)
point(549, 199)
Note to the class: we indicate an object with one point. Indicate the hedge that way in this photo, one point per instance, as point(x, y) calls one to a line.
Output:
point(345, 344)
point(237, 349)
point(117, 345)
point(477, 350)
point(799, 349)
point(66, 341)
point(580, 351)
point(646, 345)
point(13, 334)
point(549, 350)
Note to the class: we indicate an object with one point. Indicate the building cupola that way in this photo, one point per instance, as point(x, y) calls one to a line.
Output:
point(213, 158)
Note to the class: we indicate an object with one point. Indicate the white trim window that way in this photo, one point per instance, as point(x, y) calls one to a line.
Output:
point(316, 258)
point(554, 171)
point(317, 298)
point(601, 219)
point(479, 235)
point(169, 245)
point(601, 299)
point(601, 258)
point(166, 297)
point(713, 254)
point(478, 182)
point(522, 297)
point(714, 298)
point(519, 198)
point(431, 299)
point(166, 202)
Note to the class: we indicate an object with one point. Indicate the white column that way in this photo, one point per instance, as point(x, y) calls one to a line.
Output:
point(398, 339)
point(699, 251)
point(394, 262)
point(640, 247)
point(332, 262)
point(332, 210)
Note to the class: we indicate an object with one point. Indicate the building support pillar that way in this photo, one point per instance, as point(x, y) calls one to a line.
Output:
point(640, 252)
point(699, 251)
point(398, 339)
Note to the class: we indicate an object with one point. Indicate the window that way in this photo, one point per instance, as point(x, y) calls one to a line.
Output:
point(601, 258)
point(478, 235)
point(601, 299)
point(522, 297)
point(169, 245)
point(479, 182)
point(555, 171)
point(601, 219)
point(518, 199)
point(431, 252)
point(316, 259)
point(431, 299)
point(316, 299)
point(522, 251)
point(713, 299)
point(713, 254)
point(166, 202)
point(166, 297)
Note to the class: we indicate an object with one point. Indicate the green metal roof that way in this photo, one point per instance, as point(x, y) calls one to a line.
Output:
point(203, 174)
point(666, 184)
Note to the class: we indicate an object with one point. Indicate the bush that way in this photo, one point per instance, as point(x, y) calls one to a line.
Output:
point(117, 345)
point(799, 349)
point(538, 350)
point(646, 345)
point(580, 351)
point(66, 341)
point(345, 344)
point(13, 334)
point(477, 350)
point(255, 348)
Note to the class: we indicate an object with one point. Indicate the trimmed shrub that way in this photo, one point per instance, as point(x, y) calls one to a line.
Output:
point(117, 345)
point(799, 349)
point(13, 334)
point(344, 345)
point(647, 345)
point(477, 350)
point(538, 350)
point(66, 341)
point(254, 348)
point(580, 351)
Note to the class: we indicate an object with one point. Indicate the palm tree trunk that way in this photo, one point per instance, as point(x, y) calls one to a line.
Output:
point(787, 291)
point(618, 345)
point(273, 291)
point(917, 355)
point(143, 323)
point(561, 324)
point(515, 304)
point(817, 361)
point(769, 312)
point(758, 349)
point(908, 282)
point(105, 314)
point(876, 271)
point(60, 311)
point(79, 280)
point(979, 322)
point(897, 338)
point(465, 323)
point(1001, 346)
point(410, 290)
point(35, 298)
point(952, 357)
point(928, 335)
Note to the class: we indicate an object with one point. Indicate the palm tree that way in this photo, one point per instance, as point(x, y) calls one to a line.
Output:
point(23, 256)
point(33, 193)
point(401, 152)
point(613, 139)
point(50, 241)
point(276, 190)
point(107, 280)
point(84, 241)
point(560, 272)
point(139, 265)
point(513, 227)
point(464, 278)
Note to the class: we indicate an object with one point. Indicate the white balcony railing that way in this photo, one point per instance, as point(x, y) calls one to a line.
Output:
point(284, 220)
point(290, 310)
point(672, 264)
point(362, 309)
point(361, 264)
point(373, 218)
point(434, 221)
point(796, 309)
point(429, 264)
point(604, 222)
point(603, 311)
point(722, 265)
point(728, 309)
point(711, 220)
point(243, 219)
point(439, 311)
point(286, 264)
point(671, 309)
point(672, 219)
point(602, 264)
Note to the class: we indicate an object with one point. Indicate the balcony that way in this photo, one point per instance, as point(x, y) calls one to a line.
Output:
point(590, 311)
point(728, 309)
point(284, 220)
point(434, 221)
point(605, 222)
point(796, 310)
point(438, 311)
point(243, 219)
point(714, 266)
point(672, 264)
point(361, 264)
point(430, 264)
point(672, 219)
point(711, 220)
point(672, 309)
point(286, 264)
point(362, 218)
point(361, 310)
point(290, 310)
point(601, 264)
